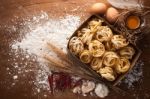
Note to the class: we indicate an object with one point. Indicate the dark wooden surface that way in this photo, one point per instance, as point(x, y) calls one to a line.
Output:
point(55, 8)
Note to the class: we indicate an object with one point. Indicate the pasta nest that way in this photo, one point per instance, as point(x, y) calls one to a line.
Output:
point(94, 24)
point(76, 46)
point(127, 52)
point(96, 63)
point(122, 66)
point(85, 56)
point(110, 59)
point(83, 31)
point(107, 73)
point(96, 48)
point(104, 33)
point(86, 38)
point(119, 41)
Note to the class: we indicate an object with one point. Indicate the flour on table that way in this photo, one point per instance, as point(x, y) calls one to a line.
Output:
point(135, 75)
point(15, 77)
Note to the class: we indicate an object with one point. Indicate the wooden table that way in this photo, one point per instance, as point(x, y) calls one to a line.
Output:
point(9, 9)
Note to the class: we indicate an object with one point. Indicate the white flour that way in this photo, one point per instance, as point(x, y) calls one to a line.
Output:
point(51, 30)
point(38, 31)
point(135, 75)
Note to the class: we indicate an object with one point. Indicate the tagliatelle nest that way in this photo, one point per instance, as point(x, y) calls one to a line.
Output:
point(96, 48)
point(110, 59)
point(119, 41)
point(107, 73)
point(85, 35)
point(104, 33)
point(122, 66)
point(94, 24)
point(87, 38)
point(83, 31)
point(76, 46)
point(85, 56)
point(127, 52)
point(96, 63)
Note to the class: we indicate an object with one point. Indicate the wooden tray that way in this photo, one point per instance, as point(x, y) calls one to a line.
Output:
point(77, 61)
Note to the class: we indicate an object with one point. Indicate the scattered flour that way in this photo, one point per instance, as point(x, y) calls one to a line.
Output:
point(36, 32)
point(135, 75)
point(51, 30)
point(15, 77)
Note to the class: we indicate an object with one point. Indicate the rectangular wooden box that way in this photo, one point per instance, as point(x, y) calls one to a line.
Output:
point(77, 61)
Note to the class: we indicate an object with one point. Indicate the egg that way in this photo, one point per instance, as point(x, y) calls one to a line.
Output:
point(112, 14)
point(133, 22)
point(98, 8)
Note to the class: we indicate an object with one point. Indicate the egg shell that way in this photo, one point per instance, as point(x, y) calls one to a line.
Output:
point(112, 14)
point(98, 8)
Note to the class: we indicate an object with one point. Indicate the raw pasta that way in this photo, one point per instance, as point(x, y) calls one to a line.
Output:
point(87, 38)
point(122, 66)
point(107, 73)
point(127, 52)
point(119, 41)
point(94, 24)
point(85, 56)
point(96, 63)
point(110, 59)
point(76, 46)
point(83, 31)
point(96, 48)
point(104, 33)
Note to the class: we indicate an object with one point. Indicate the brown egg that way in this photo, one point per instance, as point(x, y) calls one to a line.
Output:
point(98, 8)
point(112, 14)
